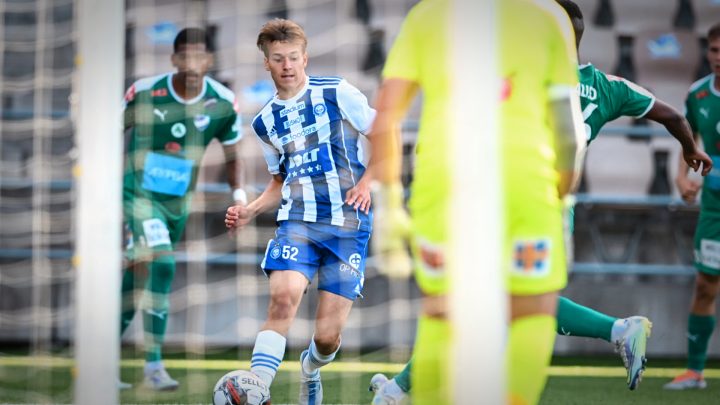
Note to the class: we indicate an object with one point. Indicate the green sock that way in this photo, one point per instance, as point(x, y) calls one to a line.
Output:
point(574, 319)
point(403, 379)
point(431, 356)
point(527, 357)
point(127, 299)
point(700, 328)
point(155, 305)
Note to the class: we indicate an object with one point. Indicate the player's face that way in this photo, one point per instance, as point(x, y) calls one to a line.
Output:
point(713, 55)
point(192, 61)
point(286, 63)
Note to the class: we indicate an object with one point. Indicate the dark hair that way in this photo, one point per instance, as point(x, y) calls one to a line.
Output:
point(714, 32)
point(280, 30)
point(571, 8)
point(576, 19)
point(192, 36)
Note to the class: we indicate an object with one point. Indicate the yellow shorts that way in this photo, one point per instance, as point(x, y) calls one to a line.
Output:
point(535, 259)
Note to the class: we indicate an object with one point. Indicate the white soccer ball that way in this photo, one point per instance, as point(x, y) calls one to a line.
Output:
point(240, 387)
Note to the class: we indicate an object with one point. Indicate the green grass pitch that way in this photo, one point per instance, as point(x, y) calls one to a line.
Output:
point(345, 382)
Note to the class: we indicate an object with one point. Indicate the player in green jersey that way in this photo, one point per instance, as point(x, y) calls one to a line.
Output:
point(702, 107)
point(539, 113)
point(604, 98)
point(171, 118)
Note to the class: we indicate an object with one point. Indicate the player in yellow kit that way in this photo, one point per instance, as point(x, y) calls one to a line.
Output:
point(541, 132)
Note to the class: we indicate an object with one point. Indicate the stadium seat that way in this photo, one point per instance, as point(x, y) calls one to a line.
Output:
point(666, 63)
point(707, 13)
point(684, 15)
point(599, 46)
point(616, 165)
point(638, 15)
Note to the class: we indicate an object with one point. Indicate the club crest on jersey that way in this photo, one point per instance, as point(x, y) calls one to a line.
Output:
point(201, 121)
point(531, 258)
point(319, 109)
point(701, 94)
point(159, 93)
point(178, 130)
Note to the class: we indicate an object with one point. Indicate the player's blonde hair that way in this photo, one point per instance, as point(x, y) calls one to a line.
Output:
point(280, 30)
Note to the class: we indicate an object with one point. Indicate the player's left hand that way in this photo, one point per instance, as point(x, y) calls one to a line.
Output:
point(698, 160)
point(359, 196)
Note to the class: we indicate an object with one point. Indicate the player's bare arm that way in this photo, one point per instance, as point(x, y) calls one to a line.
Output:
point(237, 216)
point(687, 187)
point(567, 124)
point(392, 103)
point(679, 128)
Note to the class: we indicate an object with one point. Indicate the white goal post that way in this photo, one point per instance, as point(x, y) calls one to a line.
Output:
point(478, 299)
point(98, 96)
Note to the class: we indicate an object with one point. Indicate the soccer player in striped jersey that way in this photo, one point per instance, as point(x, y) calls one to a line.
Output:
point(702, 110)
point(539, 112)
point(319, 185)
point(172, 118)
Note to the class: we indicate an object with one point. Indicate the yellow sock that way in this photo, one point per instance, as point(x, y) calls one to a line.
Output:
point(528, 356)
point(430, 384)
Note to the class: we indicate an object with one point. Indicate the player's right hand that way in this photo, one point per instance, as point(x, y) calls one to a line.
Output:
point(237, 216)
point(391, 232)
point(688, 189)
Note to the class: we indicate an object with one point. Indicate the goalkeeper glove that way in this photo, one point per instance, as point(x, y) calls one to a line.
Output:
point(391, 231)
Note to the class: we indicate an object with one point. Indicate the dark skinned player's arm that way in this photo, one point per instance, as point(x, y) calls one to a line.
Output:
point(679, 128)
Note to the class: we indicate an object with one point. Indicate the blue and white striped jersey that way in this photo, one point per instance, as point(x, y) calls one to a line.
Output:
point(305, 140)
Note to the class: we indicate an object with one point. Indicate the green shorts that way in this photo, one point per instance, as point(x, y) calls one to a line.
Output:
point(707, 245)
point(150, 227)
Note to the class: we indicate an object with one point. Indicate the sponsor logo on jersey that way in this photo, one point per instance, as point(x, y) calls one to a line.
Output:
point(173, 147)
point(704, 112)
point(588, 92)
point(201, 121)
point(701, 94)
point(296, 107)
point(531, 257)
point(290, 123)
point(159, 93)
point(178, 130)
point(291, 137)
point(160, 114)
point(319, 109)
point(313, 162)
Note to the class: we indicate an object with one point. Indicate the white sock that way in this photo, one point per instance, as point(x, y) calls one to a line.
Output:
point(314, 360)
point(393, 390)
point(618, 329)
point(152, 366)
point(267, 355)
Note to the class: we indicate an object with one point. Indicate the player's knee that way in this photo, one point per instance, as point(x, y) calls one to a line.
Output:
point(706, 288)
point(281, 307)
point(327, 342)
point(163, 267)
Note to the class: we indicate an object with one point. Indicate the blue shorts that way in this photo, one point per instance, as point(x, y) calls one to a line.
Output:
point(336, 254)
